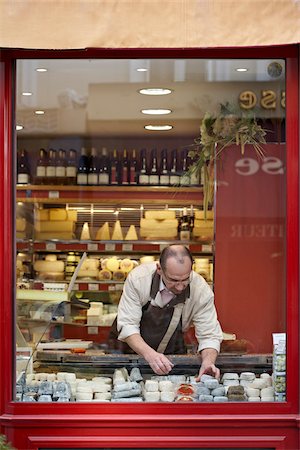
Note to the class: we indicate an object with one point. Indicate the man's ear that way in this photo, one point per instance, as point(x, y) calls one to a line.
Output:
point(158, 268)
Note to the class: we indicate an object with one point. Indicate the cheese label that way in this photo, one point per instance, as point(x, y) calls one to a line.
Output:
point(53, 194)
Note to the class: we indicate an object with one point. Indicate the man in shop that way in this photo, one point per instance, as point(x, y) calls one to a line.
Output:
point(160, 301)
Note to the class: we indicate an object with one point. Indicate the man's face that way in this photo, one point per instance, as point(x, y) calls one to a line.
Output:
point(176, 275)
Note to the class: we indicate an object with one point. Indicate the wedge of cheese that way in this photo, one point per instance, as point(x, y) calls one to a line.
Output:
point(85, 232)
point(103, 234)
point(159, 215)
point(131, 234)
point(117, 234)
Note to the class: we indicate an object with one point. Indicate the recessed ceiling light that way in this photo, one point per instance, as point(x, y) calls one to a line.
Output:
point(39, 112)
point(26, 94)
point(158, 127)
point(158, 111)
point(41, 69)
point(241, 69)
point(19, 127)
point(155, 91)
point(142, 69)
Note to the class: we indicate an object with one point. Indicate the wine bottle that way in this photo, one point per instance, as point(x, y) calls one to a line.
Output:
point(143, 173)
point(41, 165)
point(23, 172)
point(164, 179)
point(104, 168)
point(124, 169)
point(71, 169)
point(174, 175)
point(115, 169)
point(192, 219)
point(50, 169)
point(185, 231)
point(133, 168)
point(184, 175)
point(194, 174)
point(153, 172)
point(82, 168)
point(60, 168)
point(93, 168)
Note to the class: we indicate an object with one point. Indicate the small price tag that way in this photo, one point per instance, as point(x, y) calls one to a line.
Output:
point(51, 246)
point(76, 287)
point(110, 247)
point(127, 247)
point(119, 287)
point(206, 248)
point(92, 247)
point(92, 330)
point(162, 246)
point(111, 288)
point(53, 194)
point(93, 287)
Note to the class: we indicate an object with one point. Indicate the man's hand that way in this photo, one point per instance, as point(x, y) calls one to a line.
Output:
point(158, 362)
point(209, 356)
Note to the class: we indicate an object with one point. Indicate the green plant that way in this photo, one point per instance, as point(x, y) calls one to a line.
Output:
point(4, 445)
point(218, 131)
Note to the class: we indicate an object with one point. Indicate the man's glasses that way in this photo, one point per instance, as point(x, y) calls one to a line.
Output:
point(173, 282)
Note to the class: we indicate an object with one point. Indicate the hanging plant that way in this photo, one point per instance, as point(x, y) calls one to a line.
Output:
point(218, 131)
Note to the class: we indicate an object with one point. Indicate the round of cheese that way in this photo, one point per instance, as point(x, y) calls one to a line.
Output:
point(49, 266)
point(51, 276)
point(126, 265)
point(112, 264)
point(105, 274)
point(119, 275)
point(147, 259)
point(50, 258)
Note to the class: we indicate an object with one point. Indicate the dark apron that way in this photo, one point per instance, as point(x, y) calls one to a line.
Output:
point(154, 324)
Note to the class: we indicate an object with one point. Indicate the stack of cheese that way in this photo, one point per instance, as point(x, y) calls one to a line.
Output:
point(20, 228)
point(54, 223)
point(115, 269)
point(159, 225)
point(204, 227)
point(89, 268)
point(50, 268)
point(202, 266)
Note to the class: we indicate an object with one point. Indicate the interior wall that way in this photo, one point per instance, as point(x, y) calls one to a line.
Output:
point(77, 24)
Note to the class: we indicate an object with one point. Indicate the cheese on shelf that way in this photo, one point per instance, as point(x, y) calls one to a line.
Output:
point(55, 225)
point(58, 214)
point(159, 215)
point(85, 232)
point(103, 234)
point(200, 214)
point(20, 224)
point(42, 214)
point(117, 234)
point(131, 234)
point(158, 223)
point(112, 264)
point(60, 235)
point(49, 266)
point(148, 233)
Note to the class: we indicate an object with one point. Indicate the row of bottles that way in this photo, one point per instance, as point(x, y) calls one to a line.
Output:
point(186, 224)
point(116, 168)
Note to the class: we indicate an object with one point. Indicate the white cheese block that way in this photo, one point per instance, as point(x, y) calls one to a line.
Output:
point(20, 224)
point(58, 214)
point(163, 214)
point(103, 234)
point(200, 215)
point(152, 396)
point(85, 232)
point(55, 225)
point(49, 266)
point(167, 396)
point(151, 385)
point(102, 395)
point(42, 214)
point(131, 234)
point(60, 235)
point(117, 234)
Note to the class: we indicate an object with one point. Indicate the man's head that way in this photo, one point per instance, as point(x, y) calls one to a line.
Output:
point(175, 266)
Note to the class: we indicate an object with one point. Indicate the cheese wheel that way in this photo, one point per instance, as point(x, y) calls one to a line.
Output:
point(163, 214)
point(51, 276)
point(50, 258)
point(105, 274)
point(146, 259)
point(49, 266)
point(90, 264)
point(201, 214)
point(88, 273)
point(56, 225)
point(62, 235)
point(119, 275)
point(41, 214)
point(112, 264)
point(58, 214)
point(126, 265)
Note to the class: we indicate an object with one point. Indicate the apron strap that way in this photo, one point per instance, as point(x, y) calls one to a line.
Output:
point(171, 328)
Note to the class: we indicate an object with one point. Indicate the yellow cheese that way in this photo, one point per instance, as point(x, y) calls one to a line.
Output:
point(32, 294)
point(126, 265)
point(159, 215)
point(158, 233)
point(112, 264)
point(71, 215)
point(204, 232)
point(200, 214)
point(90, 273)
point(119, 275)
point(117, 232)
point(105, 274)
point(55, 225)
point(20, 235)
point(20, 224)
point(85, 233)
point(203, 223)
point(49, 266)
point(103, 234)
point(131, 234)
point(60, 235)
point(50, 258)
point(90, 264)
point(155, 223)
point(58, 214)
point(42, 214)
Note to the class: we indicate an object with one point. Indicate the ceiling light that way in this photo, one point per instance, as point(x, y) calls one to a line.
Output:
point(155, 91)
point(19, 127)
point(158, 127)
point(26, 94)
point(41, 69)
point(241, 69)
point(142, 69)
point(39, 112)
point(158, 111)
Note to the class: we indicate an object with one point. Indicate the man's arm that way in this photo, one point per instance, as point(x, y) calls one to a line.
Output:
point(158, 362)
point(208, 356)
